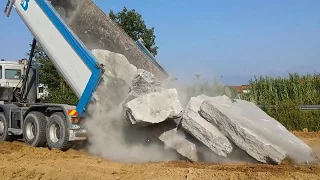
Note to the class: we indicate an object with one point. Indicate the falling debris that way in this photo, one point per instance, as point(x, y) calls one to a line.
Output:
point(209, 128)
point(115, 65)
point(154, 107)
point(143, 83)
point(175, 139)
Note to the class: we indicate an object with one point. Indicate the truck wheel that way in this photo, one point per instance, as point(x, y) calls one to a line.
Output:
point(34, 129)
point(4, 136)
point(57, 132)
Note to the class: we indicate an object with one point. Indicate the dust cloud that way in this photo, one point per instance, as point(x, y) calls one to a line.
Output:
point(193, 89)
point(113, 137)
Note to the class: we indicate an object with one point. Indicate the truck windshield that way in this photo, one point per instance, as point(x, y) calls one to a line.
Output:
point(12, 73)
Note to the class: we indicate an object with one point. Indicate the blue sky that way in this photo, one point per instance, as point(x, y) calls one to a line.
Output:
point(231, 40)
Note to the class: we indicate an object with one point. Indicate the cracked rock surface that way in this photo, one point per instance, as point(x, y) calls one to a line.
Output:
point(143, 83)
point(203, 130)
point(252, 130)
point(154, 107)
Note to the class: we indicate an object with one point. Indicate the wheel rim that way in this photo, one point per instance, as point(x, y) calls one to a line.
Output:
point(30, 130)
point(54, 132)
point(1, 128)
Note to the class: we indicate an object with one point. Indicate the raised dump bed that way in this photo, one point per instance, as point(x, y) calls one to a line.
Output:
point(97, 31)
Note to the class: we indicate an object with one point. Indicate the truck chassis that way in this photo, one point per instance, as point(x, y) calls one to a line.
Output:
point(41, 125)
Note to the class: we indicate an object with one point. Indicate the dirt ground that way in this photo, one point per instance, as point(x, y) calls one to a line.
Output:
point(18, 161)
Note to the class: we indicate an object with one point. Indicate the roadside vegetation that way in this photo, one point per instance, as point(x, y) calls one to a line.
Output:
point(281, 97)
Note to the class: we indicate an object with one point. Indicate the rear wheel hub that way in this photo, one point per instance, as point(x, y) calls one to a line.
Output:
point(30, 130)
point(1, 128)
point(54, 132)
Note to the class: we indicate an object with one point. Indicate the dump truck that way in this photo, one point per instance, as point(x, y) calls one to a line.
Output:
point(57, 126)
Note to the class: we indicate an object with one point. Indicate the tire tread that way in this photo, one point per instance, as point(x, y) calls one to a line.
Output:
point(41, 140)
point(6, 136)
point(66, 145)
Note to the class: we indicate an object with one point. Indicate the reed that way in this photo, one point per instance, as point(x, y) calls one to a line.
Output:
point(280, 98)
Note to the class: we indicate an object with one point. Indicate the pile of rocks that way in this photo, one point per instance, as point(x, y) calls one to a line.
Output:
point(218, 124)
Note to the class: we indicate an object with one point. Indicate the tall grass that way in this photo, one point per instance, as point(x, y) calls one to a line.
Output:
point(301, 89)
point(280, 98)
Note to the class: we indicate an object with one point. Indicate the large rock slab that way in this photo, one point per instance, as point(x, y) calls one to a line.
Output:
point(203, 130)
point(154, 107)
point(116, 79)
point(115, 64)
point(143, 83)
point(252, 130)
point(175, 139)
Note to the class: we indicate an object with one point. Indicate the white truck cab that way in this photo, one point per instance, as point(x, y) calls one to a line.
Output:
point(11, 73)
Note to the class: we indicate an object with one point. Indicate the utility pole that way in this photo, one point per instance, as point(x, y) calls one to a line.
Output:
point(198, 77)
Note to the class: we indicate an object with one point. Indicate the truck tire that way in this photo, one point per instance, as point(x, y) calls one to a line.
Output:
point(4, 136)
point(34, 129)
point(57, 132)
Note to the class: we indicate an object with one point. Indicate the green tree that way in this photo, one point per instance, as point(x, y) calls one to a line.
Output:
point(133, 24)
point(47, 72)
point(59, 91)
